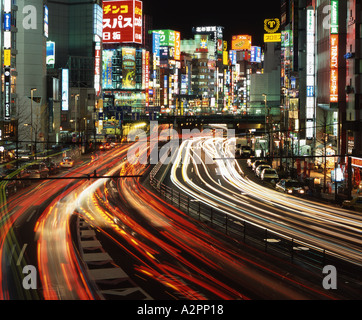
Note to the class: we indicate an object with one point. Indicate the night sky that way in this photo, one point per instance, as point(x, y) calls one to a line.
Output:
point(238, 17)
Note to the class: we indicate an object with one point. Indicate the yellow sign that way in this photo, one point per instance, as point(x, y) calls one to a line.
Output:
point(275, 37)
point(7, 57)
point(271, 25)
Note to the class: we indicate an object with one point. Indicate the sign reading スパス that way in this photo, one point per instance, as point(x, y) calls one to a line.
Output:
point(122, 21)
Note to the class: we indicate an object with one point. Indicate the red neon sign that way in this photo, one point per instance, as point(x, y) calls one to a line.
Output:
point(122, 21)
point(334, 68)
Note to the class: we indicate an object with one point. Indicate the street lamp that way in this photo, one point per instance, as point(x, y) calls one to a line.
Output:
point(76, 112)
point(31, 116)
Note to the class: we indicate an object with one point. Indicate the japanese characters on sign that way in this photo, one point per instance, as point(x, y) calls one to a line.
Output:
point(334, 68)
point(310, 107)
point(241, 42)
point(7, 60)
point(334, 38)
point(122, 21)
point(274, 37)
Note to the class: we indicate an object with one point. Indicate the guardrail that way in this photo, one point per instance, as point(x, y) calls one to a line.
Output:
point(270, 241)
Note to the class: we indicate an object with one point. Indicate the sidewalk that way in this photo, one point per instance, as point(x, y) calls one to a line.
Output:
point(318, 185)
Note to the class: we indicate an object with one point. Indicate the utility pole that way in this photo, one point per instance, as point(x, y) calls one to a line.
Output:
point(31, 118)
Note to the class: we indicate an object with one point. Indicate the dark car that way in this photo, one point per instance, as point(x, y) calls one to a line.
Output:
point(53, 167)
point(105, 147)
point(290, 186)
point(245, 151)
point(10, 186)
point(24, 175)
point(257, 163)
point(38, 171)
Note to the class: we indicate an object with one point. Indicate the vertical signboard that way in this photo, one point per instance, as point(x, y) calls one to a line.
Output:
point(310, 108)
point(107, 72)
point(7, 94)
point(147, 75)
point(334, 69)
point(138, 22)
point(7, 59)
point(50, 59)
point(334, 17)
point(129, 68)
point(122, 21)
point(334, 38)
point(65, 90)
point(177, 46)
point(255, 55)
point(97, 67)
point(46, 21)
point(156, 49)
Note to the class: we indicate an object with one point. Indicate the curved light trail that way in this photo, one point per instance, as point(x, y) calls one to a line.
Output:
point(335, 230)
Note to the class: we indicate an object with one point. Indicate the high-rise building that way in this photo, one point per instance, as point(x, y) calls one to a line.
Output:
point(353, 116)
point(126, 60)
point(75, 30)
point(24, 103)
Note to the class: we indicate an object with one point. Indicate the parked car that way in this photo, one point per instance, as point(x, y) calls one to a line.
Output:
point(290, 186)
point(260, 168)
point(67, 162)
point(245, 151)
point(257, 163)
point(250, 161)
point(354, 204)
point(269, 174)
point(38, 171)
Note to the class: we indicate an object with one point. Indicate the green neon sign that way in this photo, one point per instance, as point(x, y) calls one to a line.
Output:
point(334, 17)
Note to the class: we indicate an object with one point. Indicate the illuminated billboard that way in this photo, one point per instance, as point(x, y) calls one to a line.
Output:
point(255, 54)
point(334, 69)
point(65, 89)
point(172, 40)
point(97, 67)
point(334, 17)
point(334, 46)
point(177, 46)
point(122, 21)
point(129, 68)
point(50, 59)
point(7, 94)
point(271, 25)
point(107, 72)
point(241, 42)
point(274, 37)
point(310, 107)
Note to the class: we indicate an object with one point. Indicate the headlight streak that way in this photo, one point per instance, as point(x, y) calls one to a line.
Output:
point(310, 210)
point(103, 208)
point(305, 207)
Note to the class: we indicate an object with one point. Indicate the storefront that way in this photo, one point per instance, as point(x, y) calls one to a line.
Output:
point(356, 164)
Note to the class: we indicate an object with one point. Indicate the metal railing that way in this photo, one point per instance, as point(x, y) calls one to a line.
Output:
point(267, 240)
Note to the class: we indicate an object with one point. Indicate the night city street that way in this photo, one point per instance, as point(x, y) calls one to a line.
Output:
point(181, 159)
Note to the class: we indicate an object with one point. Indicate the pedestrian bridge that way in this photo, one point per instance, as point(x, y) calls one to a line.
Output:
point(239, 121)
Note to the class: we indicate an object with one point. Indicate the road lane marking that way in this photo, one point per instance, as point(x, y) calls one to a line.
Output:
point(31, 215)
point(21, 254)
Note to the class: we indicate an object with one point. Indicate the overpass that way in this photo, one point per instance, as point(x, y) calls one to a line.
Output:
point(242, 122)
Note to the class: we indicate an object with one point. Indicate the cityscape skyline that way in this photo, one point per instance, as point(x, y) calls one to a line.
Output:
point(208, 151)
point(235, 16)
